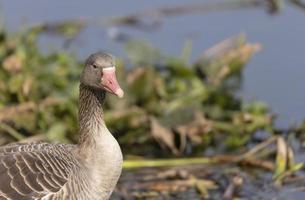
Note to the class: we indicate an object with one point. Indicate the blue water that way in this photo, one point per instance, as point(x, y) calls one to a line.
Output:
point(276, 75)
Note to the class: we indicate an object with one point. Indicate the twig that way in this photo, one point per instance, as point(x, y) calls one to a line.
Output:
point(128, 164)
point(294, 179)
point(264, 164)
point(267, 165)
point(246, 158)
point(229, 192)
point(258, 147)
point(155, 15)
point(34, 138)
point(15, 134)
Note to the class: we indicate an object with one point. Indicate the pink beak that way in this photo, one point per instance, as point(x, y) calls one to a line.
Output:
point(110, 82)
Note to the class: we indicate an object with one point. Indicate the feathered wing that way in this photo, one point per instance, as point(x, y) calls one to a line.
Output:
point(34, 170)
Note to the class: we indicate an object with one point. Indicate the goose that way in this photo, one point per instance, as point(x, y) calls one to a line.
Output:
point(87, 170)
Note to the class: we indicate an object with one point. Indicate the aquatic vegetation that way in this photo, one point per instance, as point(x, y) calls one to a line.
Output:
point(182, 106)
point(172, 107)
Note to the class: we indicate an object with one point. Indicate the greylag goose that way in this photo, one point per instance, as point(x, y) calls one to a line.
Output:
point(87, 170)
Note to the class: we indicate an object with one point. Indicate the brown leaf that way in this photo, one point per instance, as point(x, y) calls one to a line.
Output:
point(9, 112)
point(134, 74)
point(194, 129)
point(163, 135)
point(237, 181)
point(281, 157)
point(13, 64)
point(176, 185)
point(26, 88)
point(225, 58)
point(168, 174)
point(290, 156)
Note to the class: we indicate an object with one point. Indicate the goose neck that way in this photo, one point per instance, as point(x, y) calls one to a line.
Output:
point(91, 120)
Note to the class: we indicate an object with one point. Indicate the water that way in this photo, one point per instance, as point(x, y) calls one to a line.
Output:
point(276, 75)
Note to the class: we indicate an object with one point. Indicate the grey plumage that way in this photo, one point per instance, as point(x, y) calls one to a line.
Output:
point(88, 170)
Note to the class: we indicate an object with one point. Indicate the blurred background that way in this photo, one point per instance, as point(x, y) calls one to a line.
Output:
point(212, 79)
point(278, 69)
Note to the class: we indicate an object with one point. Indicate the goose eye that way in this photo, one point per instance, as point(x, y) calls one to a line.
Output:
point(94, 66)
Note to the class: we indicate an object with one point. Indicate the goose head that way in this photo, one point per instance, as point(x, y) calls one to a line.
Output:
point(99, 73)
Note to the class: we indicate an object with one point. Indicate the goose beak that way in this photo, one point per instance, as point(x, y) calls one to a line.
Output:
point(110, 83)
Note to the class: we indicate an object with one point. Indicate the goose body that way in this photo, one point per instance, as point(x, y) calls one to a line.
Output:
point(88, 170)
